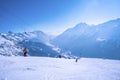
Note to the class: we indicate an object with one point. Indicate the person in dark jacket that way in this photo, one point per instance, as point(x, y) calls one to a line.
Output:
point(25, 52)
point(76, 60)
point(59, 56)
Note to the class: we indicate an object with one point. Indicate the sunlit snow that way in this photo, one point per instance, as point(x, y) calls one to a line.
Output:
point(43, 68)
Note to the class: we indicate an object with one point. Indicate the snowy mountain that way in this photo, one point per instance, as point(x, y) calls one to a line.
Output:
point(99, 41)
point(43, 68)
point(7, 46)
point(37, 42)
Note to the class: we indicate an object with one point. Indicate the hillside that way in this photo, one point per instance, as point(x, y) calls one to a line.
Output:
point(43, 68)
point(37, 43)
point(94, 41)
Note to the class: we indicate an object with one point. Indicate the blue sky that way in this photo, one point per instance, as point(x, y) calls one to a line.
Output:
point(54, 16)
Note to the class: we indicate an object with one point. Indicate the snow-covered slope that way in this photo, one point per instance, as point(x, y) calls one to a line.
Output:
point(43, 68)
point(36, 42)
point(101, 40)
point(7, 46)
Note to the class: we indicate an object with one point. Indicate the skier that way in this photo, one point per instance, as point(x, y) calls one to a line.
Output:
point(25, 52)
point(76, 60)
point(60, 55)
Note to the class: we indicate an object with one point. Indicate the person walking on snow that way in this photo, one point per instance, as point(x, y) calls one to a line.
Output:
point(25, 52)
point(76, 60)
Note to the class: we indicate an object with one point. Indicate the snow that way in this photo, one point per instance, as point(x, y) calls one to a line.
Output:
point(12, 44)
point(3, 41)
point(45, 68)
point(100, 39)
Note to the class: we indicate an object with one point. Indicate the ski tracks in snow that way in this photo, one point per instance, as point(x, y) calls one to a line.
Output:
point(42, 68)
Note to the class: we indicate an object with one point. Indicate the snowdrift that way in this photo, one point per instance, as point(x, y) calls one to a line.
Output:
point(44, 68)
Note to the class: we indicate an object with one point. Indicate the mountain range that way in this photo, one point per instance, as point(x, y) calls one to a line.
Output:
point(83, 40)
point(37, 44)
point(96, 41)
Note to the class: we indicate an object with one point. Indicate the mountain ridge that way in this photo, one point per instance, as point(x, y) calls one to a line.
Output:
point(12, 44)
point(99, 41)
